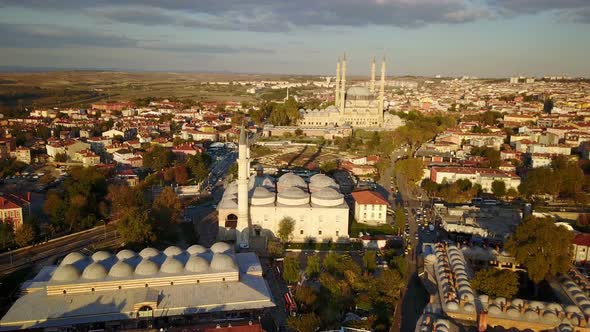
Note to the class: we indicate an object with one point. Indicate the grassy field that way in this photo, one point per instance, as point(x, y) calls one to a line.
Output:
point(356, 228)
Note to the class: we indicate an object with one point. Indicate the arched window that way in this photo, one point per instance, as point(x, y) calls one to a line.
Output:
point(231, 221)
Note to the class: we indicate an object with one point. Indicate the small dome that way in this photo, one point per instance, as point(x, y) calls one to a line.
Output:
point(221, 248)
point(196, 249)
point(358, 91)
point(100, 256)
point(223, 262)
point(327, 194)
point(66, 272)
point(125, 254)
point(149, 252)
point(172, 265)
point(196, 264)
point(261, 192)
point(146, 267)
point(172, 251)
point(72, 258)
point(121, 270)
point(94, 271)
point(291, 180)
point(332, 109)
point(321, 180)
point(293, 193)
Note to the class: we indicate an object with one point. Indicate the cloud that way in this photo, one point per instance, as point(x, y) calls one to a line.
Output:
point(576, 16)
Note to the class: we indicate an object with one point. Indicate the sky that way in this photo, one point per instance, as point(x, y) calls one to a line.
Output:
point(483, 38)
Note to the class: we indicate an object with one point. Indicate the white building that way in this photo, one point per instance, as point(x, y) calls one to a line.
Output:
point(369, 207)
point(254, 205)
point(482, 176)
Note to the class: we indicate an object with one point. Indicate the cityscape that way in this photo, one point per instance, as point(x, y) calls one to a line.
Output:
point(299, 166)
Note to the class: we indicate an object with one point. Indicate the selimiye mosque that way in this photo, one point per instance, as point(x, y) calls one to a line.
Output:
point(355, 106)
point(255, 204)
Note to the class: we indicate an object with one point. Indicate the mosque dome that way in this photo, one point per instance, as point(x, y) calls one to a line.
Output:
point(293, 196)
point(332, 109)
point(121, 270)
point(146, 267)
point(320, 181)
point(100, 256)
point(72, 258)
point(262, 196)
point(172, 251)
point(223, 262)
point(149, 252)
point(289, 180)
point(327, 197)
point(172, 265)
point(221, 248)
point(196, 264)
point(94, 271)
point(125, 254)
point(66, 272)
point(196, 249)
point(358, 91)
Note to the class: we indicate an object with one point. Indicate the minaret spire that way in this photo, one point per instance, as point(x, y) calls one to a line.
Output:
point(337, 92)
point(382, 89)
point(343, 84)
point(243, 226)
point(372, 86)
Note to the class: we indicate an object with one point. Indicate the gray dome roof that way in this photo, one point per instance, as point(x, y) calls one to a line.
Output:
point(261, 192)
point(100, 256)
point(125, 254)
point(232, 188)
point(149, 252)
point(261, 181)
point(172, 251)
point(291, 180)
point(94, 271)
point(221, 248)
point(321, 180)
point(72, 258)
point(197, 264)
point(196, 249)
point(146, 267)
point(327, 194)
point(332, 108)
point(66, 272)
point(359, 91)
point(172, 265)
point(223, 262)
point(121, 270)
point(293, 192)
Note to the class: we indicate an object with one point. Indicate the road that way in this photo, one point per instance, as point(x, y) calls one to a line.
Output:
point(12, 261)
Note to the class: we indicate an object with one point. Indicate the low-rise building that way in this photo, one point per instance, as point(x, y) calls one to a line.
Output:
point(581, 248)
point(369, 207)
point(482, 176)
point(15, 208)
point(23, 154)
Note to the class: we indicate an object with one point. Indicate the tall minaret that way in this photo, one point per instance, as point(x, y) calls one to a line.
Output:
point(382, 89)
point(372, 86)
point(243, 227)
point(343, 85)
point(337, 94)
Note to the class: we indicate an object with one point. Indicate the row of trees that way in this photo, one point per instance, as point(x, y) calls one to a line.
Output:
point(173, 170)
point(340, 286)
point(564, 179)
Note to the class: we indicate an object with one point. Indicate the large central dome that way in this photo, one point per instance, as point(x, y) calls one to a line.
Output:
point(358, 91)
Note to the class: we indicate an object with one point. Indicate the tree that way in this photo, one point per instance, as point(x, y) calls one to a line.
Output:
point(307, 297)
point(389, 283)
point(61, 157)
point(369, 262)
point(304, 323)
point(499, 188)
point(291, 269)
point(298, 132)
point(542, 247)
point(166, 207)
point(512, 193)
point(55, 208)
point(24, 235)
point(313, 269)
point(400, 219)
point(286, 227)
point(136, 227)
point(328, 166)
point(124, 198)
point(495, 282)
point(6, 232)
point(158, 157)
point(548, 105)
point(411, 169)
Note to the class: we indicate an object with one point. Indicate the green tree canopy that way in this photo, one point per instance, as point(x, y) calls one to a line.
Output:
point(496, 282)
point(544, 248)
point(158, 157)
point(411, 169)
point(400, 219)
point(286, 227)
point(305, 323)
point(499, 188)
point(24, 235)
point(136, 227)
point(369, 262)
point(312, 269)
point(291, 269)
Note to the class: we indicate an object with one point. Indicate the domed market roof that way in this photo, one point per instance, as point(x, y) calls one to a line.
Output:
point(72, 258)
point(223, 262)
point(172, 251)
point(149, 252)
point(121, 270)
point(126, 254)
point(94, 271)
point(327, 194)
point(291, 180)
point(293, 193)
point(66, 272)
point(261, 192)
point(197, 264)
point(146, 267)
point(172, 265)
point(221, 248)
point(322, 180)
point(196, 249)
point(100, 256)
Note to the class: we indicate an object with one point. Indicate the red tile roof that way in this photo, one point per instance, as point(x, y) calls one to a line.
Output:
point(368, 197)
point(582, 240)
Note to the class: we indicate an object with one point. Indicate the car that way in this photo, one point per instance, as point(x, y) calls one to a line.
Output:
point(416, 236)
